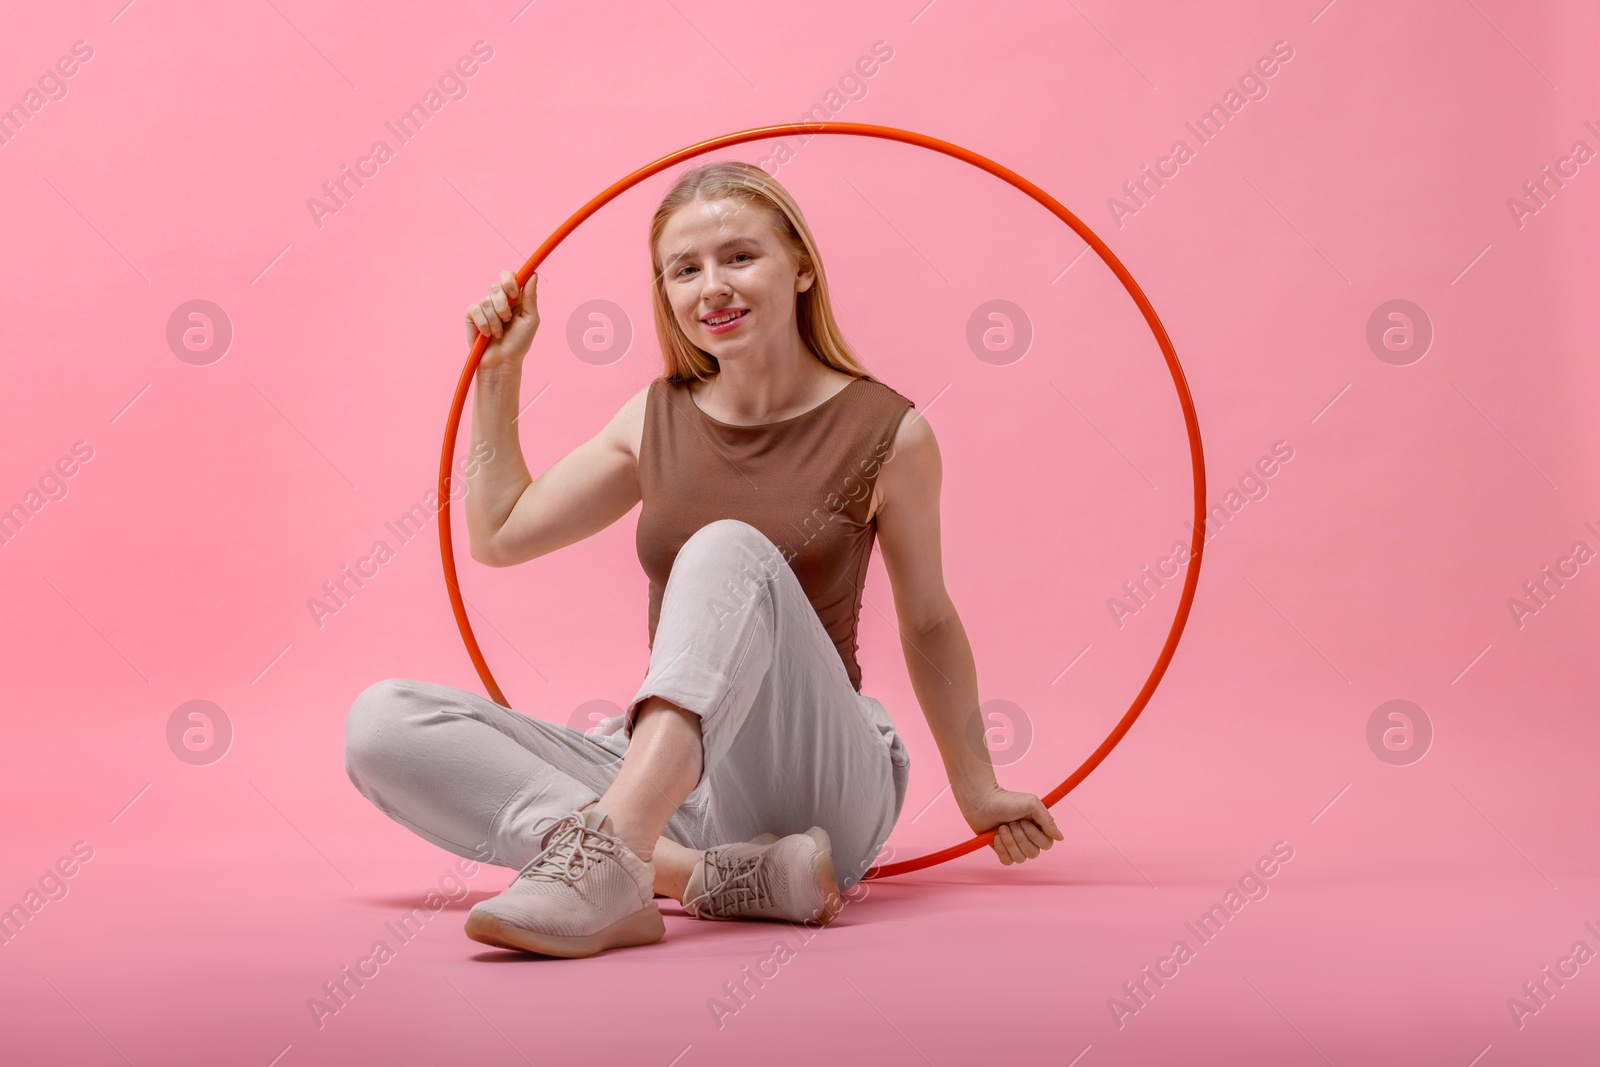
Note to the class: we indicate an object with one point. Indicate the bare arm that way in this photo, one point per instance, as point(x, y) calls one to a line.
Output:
point(938, 655)
point(513, 517)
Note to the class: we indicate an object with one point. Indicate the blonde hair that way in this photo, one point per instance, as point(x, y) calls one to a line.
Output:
point(749, 184)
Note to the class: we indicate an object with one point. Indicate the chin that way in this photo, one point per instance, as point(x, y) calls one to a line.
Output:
point(717, 345)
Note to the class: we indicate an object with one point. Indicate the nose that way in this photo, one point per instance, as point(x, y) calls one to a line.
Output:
point(713, 283)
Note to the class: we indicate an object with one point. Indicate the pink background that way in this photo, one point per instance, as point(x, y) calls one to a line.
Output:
point(1378, 565)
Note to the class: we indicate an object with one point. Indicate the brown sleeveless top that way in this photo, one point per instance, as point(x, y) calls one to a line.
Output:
point(805, 482)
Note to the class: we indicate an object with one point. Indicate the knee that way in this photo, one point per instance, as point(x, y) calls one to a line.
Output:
point(732, 545)
point(729, 533)
point(374, 721)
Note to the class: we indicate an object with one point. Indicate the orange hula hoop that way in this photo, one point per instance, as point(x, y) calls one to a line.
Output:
point(887, 133)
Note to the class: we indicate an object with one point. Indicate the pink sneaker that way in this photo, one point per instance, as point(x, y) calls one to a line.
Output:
point(586, 891)
point(789, 878)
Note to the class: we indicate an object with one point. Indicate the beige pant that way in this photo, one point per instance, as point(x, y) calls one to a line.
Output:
point(789, 744)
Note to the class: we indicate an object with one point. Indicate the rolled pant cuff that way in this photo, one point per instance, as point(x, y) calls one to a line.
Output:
point(693, 685)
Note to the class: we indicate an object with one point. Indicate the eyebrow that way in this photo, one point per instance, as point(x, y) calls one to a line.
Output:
point(729, 243)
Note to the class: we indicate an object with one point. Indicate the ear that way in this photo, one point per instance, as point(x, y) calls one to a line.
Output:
point(804, 278)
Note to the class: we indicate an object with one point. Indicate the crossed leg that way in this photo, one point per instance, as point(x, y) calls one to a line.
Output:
point(744, 724)
point(484, 782)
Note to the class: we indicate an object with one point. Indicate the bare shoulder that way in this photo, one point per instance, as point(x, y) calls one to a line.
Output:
point(915, 433)
point(912, 467)
point(625, 431)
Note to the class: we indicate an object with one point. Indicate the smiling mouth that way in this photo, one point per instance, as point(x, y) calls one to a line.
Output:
point(722, 318)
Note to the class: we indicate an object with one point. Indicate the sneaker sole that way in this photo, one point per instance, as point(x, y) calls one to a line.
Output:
point(643, 927)
point(827, 882)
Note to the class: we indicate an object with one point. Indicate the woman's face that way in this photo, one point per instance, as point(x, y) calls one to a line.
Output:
point(723, 256)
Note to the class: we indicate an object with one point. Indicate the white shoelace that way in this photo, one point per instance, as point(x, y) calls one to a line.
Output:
point(733, 884)
point(572, 849)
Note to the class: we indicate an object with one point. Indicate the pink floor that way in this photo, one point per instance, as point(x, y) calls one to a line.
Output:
point(1416, 903)
point(1430, 901)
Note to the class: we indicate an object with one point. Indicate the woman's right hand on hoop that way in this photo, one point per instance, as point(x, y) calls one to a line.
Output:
point(509, 318)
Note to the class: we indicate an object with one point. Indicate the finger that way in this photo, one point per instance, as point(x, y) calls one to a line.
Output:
point(1020, 846)
point(1001, 849)
point(1046, 821)
point(1012, 847)
point(1037, 837)
point(508, 285)
point(530, 294)
point(502, 306)
point(492, 317)
point(1029, 847)
point(476, 317)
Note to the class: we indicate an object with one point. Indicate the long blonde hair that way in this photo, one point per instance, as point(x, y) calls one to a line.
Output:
point(733, 179)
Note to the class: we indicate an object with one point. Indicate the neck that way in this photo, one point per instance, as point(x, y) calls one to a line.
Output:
point(765, 387)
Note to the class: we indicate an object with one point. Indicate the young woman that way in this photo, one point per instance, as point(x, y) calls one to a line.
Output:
point(750, 777)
